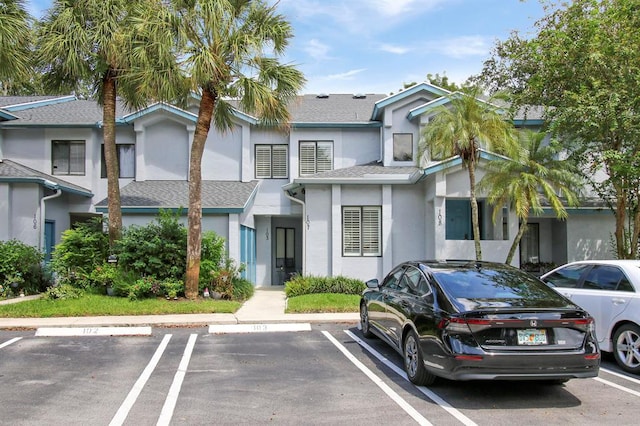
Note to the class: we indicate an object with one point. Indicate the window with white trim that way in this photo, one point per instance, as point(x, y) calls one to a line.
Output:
point(68, 158)
point(126, 153)
point(272, 161)
point(315, 157)
point(361, 231)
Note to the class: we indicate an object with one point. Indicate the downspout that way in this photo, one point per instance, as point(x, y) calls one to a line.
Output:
point(304, 230)
point(53, 186)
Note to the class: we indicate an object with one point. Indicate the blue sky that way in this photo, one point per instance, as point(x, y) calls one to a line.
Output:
point(374, 46)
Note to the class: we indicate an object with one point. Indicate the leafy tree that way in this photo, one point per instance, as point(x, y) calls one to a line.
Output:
point(15, 48)
point(97, 42)
point(534, 177)
point(223, 45)
point(461, 128)
point(583, 65)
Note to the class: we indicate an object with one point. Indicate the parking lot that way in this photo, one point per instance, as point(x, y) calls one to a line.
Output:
point(327, 375)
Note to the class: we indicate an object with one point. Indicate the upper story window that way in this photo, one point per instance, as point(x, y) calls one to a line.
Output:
point(68, 158)
point(361, 231)
point(315, 157)
point(272, 161)
point(126, 161)
point(402, 147)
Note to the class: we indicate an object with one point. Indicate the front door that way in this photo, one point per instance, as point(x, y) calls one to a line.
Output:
point(285, 254)
point(49, 239)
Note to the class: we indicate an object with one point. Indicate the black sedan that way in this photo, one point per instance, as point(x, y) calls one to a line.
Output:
point(468, 320)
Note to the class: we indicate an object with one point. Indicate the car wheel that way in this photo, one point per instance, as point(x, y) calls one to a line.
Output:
point(413, 362)
point(626, 347)
point(364, 321)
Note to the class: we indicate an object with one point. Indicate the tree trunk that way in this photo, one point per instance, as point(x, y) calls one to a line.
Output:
point(621, 215)
point(516, 241)
point(474, 208)
point(111, 158)
point(194, 236)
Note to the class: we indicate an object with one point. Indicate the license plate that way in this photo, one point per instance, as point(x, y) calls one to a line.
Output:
point(532, 337)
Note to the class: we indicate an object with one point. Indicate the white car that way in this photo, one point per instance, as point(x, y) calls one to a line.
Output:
point(610, 291)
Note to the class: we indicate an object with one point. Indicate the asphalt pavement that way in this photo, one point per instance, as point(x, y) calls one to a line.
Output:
point(266, 306)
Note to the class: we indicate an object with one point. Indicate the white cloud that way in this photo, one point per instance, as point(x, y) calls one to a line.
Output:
point(316, 49)
point(349, 75)
point(461, 47)
point(398, 50)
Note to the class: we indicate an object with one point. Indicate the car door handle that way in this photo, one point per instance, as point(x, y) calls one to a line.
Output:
point(618, 301)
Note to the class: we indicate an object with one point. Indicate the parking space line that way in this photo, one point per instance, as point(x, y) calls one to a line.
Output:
point(622, 376)
point(617, 386)
point(426, 391)
point(172, 397)
point(379, 382)
point(8, 342)
point(131, 398)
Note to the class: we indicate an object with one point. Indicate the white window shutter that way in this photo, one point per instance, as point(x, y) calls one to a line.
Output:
point(263, 161)
point(279, 157)
point(307, 158)
point(371, 230)
point(351, 231)
point(324, 157)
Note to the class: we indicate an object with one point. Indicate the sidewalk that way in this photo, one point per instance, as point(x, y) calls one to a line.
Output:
point(266, 306)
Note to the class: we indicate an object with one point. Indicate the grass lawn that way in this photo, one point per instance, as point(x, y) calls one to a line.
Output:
point(323, 302)
point(98, 305)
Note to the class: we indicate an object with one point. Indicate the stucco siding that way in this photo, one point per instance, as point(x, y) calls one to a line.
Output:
point(165, 152)
point(409, 226)
point(222, 157)
point(318, 242)
point(589, 236)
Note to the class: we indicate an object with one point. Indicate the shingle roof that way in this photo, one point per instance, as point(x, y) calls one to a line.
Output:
point(364, 170)
point(12, 171)
point(79, 112)
point(339, 108)
point(175, 194)
point(7, 101)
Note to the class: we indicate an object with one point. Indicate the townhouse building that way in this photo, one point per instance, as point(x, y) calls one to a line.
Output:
point(341, 193)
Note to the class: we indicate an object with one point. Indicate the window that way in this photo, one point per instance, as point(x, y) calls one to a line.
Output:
point(271, 161)
point(126, 161)
point(402, 147)
point(315, 157)
point(567, 276)
point(604, 277)
point(361, 231)
point(68, 157)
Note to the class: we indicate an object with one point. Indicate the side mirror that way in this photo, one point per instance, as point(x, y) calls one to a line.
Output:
point(374, 283)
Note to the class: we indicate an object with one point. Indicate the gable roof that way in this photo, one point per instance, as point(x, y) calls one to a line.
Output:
point(421, 87)
point(10, 171)
point(153, 195)
point(343, 109)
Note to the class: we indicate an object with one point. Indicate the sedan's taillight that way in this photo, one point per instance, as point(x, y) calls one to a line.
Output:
point(461, 325)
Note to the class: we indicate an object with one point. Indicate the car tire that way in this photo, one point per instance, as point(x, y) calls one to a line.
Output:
point(413, 361)
point(626, 341)
point(364, 320)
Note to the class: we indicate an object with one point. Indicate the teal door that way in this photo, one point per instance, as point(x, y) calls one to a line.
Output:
point(248, 252)
point(49, 239)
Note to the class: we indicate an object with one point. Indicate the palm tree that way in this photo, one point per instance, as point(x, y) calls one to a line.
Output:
point(533, 177)
point(224, 44)
point(15, 37)
point(93, 42)
point(461, 128)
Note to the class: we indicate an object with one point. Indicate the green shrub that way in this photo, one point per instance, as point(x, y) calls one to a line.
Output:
point(172, 288)
point(242, 289)
point(211, 257)
point(79, 252)
point(158, 249)
point(21, 265)
point(63, 291)
point(309, 284)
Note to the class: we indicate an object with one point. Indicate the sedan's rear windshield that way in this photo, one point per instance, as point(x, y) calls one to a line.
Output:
point(484, 287)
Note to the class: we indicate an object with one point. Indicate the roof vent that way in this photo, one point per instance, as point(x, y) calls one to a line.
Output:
point(322, 96)
point(359, 96)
